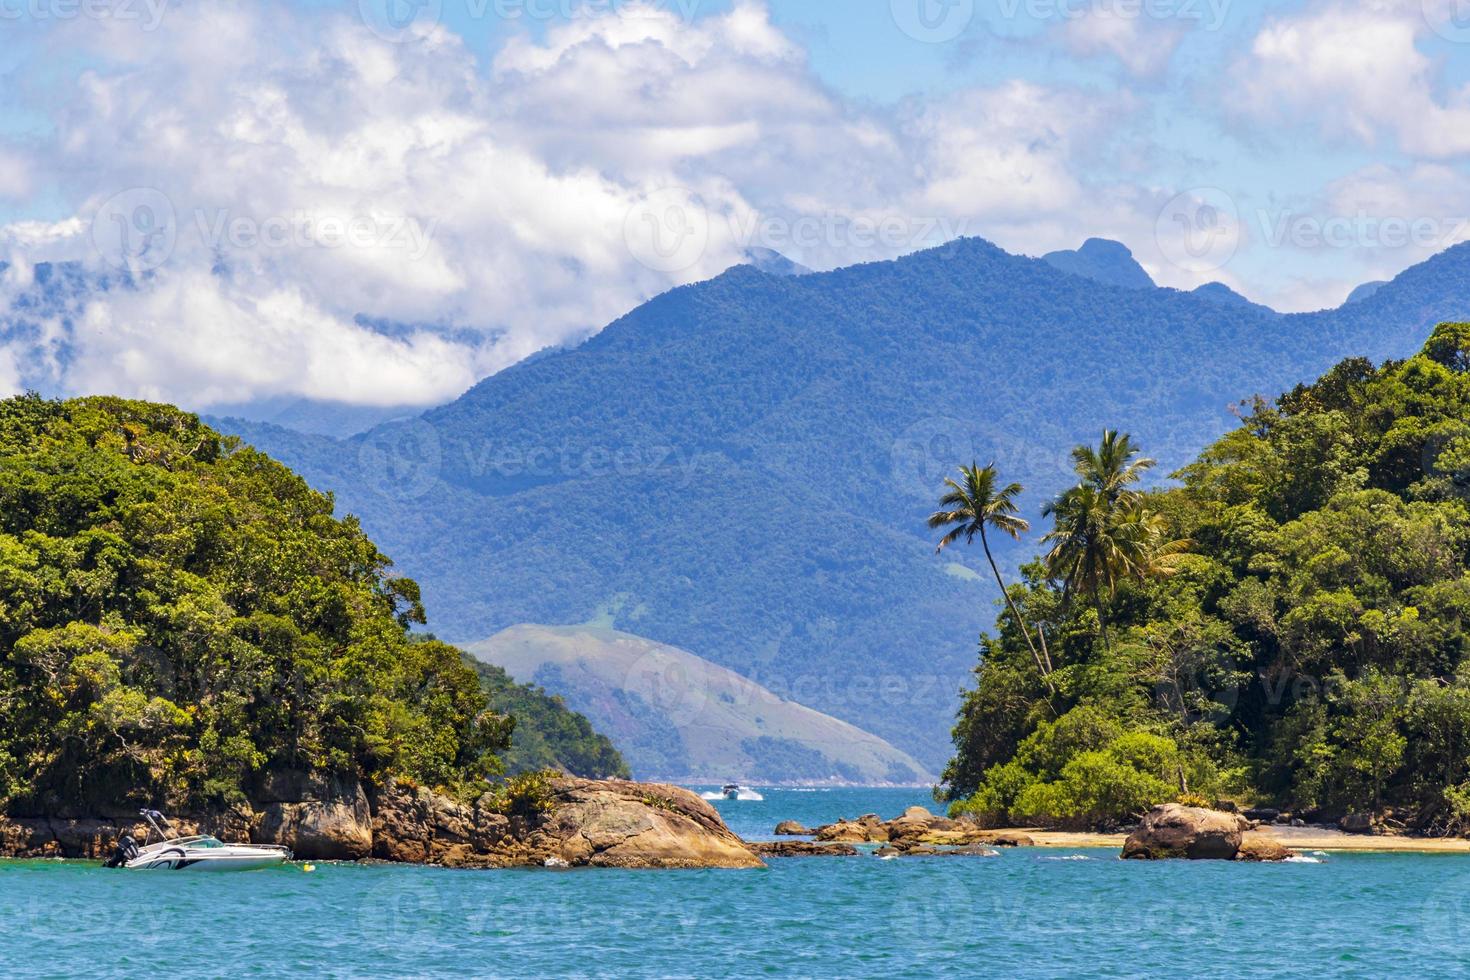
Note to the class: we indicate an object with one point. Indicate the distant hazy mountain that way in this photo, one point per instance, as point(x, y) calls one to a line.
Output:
point(742, 468)
point(679, 718)
point(1365, 290)
point(773, 262)
point(1102, 260)
point(1218, 292)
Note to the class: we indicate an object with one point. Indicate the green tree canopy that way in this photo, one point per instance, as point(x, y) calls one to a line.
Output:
point(1310, 648)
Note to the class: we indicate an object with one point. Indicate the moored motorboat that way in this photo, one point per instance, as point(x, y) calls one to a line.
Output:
point(199, 852)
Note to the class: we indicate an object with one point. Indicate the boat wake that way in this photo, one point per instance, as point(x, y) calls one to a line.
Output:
point(743, 794)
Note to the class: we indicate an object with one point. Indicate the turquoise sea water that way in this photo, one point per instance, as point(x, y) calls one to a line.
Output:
point(1028, 913)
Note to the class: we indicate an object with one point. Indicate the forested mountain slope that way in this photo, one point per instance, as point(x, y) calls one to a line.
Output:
point(741, 468)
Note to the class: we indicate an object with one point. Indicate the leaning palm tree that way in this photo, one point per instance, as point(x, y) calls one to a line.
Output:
point(969, 508)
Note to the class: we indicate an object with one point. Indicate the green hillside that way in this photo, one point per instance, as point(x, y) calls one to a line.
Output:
point(1289, 625)
point(181, 616)
point(682, 719)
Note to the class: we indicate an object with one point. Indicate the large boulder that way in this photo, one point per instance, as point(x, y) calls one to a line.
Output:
point(1262, 847)
point(791, 828)
point(620, 824)
point(1175, 831)
point(1356, 823)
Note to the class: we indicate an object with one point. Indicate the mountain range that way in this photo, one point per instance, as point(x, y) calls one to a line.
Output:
point(742, 467)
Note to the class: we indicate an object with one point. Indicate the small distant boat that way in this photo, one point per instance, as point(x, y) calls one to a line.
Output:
point(731, 791)
point(197, 853)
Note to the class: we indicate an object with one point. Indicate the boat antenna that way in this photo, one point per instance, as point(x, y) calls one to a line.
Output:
point(153, 816)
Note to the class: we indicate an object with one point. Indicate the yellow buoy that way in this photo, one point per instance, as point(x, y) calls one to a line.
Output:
point(308, 867)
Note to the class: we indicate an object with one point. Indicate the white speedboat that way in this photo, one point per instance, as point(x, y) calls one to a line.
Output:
point(730, 791)
point(197, 853)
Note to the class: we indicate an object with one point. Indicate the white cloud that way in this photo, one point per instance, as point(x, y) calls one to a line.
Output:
point(1355, 71)
point(1143, 52)
point(506, 207)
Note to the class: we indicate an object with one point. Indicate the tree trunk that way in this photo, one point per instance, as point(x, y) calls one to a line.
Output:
point(1102, 622)
point(1025, 631)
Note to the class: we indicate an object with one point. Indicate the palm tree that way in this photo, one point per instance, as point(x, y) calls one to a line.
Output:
point(1103, 534)
point(1113, 467)
point(973, 506)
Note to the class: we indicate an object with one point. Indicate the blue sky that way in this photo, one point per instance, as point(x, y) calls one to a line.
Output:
point(497, 175)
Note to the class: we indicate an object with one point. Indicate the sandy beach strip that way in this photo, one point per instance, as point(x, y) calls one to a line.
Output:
point(1297, 838)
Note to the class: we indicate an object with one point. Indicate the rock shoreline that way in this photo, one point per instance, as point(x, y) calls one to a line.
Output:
point(582, 823)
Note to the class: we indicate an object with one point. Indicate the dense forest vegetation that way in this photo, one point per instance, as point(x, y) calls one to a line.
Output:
point(548, 734)
point(180, 616)
point(750, 456)
point(1289, 624)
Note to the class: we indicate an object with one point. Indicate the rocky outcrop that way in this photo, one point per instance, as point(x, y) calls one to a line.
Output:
point(790, 828)
point(1175, 831)
point(580, 822)
point(319, 820)
point(917, 827)
point(867, 829)
point(799, 848)
point(415, 826)
point(1356, 823)
point(619, 824)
